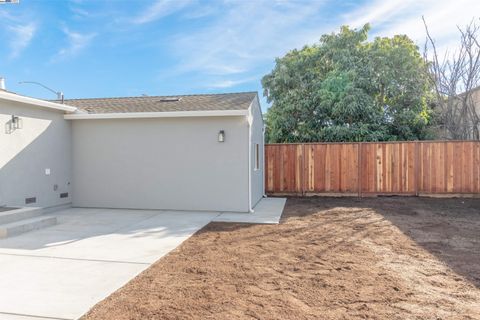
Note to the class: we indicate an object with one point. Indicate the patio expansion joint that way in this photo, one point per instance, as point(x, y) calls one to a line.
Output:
point(74, 259)
point(33, 316)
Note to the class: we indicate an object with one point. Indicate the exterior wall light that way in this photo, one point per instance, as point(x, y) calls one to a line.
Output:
point(13, 124)
point(221, 136)
point(17, 123)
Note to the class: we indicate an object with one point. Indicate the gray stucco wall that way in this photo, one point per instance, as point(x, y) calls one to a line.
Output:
point(258, 188)
point(162, 163)
point(43, 142)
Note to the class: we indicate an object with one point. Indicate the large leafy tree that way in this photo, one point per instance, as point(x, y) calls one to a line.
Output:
point(345, 88)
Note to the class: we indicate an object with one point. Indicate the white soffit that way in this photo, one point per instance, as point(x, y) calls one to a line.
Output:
point(8, 96)
point(173, 114)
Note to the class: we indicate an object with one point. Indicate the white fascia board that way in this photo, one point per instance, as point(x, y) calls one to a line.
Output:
point(138, 115)
point(8, 96)
point(260, 110)
point(250, 111)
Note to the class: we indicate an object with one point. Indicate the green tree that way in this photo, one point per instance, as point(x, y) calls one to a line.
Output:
point(345, 88)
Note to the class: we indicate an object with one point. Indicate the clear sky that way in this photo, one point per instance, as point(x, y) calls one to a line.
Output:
point(90, 48)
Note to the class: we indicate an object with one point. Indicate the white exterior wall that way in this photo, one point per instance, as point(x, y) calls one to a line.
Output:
point(43, 142)
point(256, 131)
point(162, 163)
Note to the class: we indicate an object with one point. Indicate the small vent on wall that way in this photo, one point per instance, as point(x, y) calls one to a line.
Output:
point(64, 195)
point(30, 200)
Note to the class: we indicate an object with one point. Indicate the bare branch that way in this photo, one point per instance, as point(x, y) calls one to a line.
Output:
point(456, 78)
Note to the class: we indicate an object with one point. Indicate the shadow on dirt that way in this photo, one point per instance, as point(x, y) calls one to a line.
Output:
point(449, 229)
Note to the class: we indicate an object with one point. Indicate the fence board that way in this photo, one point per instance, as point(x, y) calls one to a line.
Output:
point(433, 167)
point(388, 168)
point(283, 167)
point(331, 168)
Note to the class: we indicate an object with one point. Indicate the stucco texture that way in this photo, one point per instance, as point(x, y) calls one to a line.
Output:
point(161, 163)
point(43, 142)
point(257, 174)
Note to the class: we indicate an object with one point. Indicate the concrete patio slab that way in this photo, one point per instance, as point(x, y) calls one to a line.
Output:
point(60, 272)
point(98, 234)
point(8, 316)
point(58, 288)
point(267, 211)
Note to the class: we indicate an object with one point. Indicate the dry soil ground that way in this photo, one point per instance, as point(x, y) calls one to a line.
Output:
point(330, 258)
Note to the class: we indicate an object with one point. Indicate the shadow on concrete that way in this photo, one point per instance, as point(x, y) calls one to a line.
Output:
point(79, 224)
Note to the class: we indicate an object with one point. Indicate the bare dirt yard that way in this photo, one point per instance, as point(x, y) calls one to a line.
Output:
point(330, 258)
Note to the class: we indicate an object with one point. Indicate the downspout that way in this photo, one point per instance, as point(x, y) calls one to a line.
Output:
point(250, 121)
point(263, 168)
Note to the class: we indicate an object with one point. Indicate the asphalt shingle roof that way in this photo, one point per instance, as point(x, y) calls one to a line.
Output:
point(198, 102)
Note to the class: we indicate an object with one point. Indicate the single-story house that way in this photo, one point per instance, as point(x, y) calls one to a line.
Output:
point(186, 152)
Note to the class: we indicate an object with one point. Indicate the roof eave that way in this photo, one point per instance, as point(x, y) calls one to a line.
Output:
point(171, 114)
point(8, 96)
point(257, 98)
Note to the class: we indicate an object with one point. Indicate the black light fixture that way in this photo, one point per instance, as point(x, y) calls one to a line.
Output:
point(221, 136)
point(13, 124)
point(16, 122)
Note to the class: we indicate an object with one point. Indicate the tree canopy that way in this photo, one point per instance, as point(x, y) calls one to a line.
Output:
point(344, 88)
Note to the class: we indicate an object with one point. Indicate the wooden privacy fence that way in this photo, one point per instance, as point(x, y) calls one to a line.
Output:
point(369, 168)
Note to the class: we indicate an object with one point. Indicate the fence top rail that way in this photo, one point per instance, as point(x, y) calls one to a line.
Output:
point(372, 142)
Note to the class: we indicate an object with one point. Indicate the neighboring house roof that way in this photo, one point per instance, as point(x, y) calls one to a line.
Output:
point(475, 88)
point(13, 97)
point(155, 104)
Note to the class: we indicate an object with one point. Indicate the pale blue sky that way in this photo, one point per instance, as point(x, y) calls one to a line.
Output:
point(128, 48)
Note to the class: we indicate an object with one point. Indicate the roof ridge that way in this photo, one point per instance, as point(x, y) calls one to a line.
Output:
point(163, 96)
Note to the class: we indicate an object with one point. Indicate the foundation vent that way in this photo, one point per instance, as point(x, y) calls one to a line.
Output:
point(30, 200)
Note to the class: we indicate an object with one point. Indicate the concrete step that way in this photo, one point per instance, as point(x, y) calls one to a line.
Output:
point(19, 214)
point(25, 225)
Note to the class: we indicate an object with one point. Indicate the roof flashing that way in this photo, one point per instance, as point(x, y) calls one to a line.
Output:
point(170, 99)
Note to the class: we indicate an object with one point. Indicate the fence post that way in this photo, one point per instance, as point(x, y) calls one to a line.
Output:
point(417, 166)
point(359, 169)
point(303, 170)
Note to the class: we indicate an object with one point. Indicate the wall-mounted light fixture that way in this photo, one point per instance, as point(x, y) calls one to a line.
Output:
point(221, 136)
point(13, 124)
point(17, 123)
